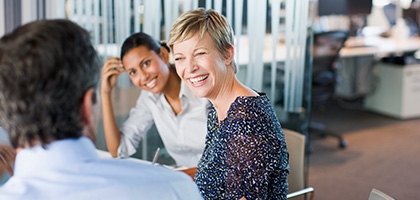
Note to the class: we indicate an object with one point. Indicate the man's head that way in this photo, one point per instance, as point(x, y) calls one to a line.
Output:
point(48, 73)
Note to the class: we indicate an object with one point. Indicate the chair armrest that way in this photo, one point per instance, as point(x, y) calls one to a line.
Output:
point(302, 192)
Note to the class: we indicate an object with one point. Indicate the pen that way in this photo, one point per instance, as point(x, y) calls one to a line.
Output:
point(156, 156)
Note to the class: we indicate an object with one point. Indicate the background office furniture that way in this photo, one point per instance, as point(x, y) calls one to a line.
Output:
point(376, 194)
point(378, 46)
point(297, 178)
point(358, 55)
point(326, 48)
point(397, 92)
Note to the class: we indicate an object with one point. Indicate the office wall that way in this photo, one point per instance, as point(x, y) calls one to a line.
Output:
point(29, 10)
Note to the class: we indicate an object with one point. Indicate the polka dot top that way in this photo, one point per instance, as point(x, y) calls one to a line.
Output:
point(246, 156)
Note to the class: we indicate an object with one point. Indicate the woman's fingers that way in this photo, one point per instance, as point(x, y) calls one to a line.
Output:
point(7, 152)
point(113, 64)
point(111, 69)
point(7, 158)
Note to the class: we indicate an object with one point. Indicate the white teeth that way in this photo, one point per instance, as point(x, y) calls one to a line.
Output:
point(151, 83)
point(198, 79)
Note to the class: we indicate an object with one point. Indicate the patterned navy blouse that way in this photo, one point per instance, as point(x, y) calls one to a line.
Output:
point(246, 156)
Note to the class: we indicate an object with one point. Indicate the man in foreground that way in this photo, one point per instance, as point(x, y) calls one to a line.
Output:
point(49, 71)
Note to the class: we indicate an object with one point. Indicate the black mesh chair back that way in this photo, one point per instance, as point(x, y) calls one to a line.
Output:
point(326, 51)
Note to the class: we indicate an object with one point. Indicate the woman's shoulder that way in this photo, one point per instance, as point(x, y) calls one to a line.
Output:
point(250, 102)
point(251, 109)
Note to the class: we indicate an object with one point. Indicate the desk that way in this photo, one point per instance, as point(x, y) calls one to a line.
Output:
point(360, 55)
point(106, 154)
point(375, 45)
point(189, 171)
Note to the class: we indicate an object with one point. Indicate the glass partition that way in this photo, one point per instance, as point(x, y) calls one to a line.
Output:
point(273, 47)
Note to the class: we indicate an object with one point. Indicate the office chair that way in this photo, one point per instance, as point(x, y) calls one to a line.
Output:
point(376, 194)
point(326, 48)
point(296, 143)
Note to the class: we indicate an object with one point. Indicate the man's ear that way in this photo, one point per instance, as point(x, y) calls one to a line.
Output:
point(164, 54)
point(86, 110)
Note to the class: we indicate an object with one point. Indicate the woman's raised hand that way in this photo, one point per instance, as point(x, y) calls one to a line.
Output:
point(7, 158)
point(110, 71)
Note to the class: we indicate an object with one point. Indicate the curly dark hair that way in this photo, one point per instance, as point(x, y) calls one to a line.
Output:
point(46, 66)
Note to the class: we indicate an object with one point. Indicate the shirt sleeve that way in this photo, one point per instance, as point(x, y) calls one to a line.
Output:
point(135, 128)
point(256, 158)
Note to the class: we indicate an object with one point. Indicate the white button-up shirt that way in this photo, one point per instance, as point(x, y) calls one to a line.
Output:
point(183, 135)
point(71, 169)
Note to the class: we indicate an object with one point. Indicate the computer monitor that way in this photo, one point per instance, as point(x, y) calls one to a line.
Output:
point(359, 7)
point(344, 7)
point(332, 7)
point(357, 10)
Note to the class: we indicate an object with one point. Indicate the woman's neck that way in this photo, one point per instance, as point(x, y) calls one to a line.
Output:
point(173, 86)
point(228, 94)
point(171, 92)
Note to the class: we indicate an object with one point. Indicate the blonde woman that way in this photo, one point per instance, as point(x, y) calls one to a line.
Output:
point(245, 155)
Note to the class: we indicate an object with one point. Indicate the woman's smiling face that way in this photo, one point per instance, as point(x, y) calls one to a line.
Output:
point(199, 63)
point(147, 69)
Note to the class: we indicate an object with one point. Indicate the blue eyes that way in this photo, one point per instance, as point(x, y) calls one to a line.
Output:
point(195, 55)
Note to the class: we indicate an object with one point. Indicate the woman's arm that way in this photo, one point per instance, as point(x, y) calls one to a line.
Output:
point(247, 166)
point(110, 72)
point(256, 158)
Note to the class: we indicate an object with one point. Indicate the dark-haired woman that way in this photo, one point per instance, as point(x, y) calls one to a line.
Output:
point(180, 117)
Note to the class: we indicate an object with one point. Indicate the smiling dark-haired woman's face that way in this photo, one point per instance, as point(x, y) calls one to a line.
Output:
point(147, 69)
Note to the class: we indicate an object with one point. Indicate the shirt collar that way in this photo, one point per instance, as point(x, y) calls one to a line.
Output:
point(56, 154)
point(186, 91)
point(154, 97)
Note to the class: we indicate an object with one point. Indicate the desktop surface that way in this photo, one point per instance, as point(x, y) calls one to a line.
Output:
point(372, 45)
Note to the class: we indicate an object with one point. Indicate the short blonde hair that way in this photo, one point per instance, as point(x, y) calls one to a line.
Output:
point(201, 20)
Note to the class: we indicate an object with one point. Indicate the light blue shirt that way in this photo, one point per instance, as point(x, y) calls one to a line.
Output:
point(183, 135)
point(71, 169)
